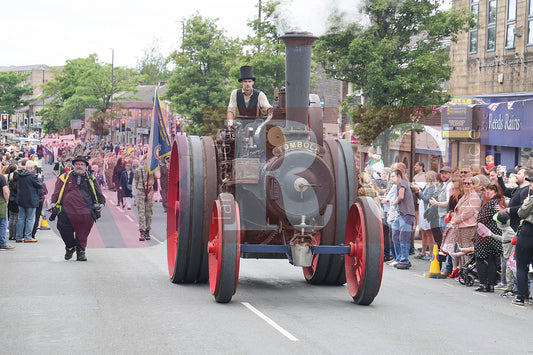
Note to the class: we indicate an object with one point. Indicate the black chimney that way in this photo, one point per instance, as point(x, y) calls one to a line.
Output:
point(297, 74)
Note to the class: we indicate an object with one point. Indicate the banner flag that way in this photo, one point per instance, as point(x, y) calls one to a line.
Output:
point(159, 146)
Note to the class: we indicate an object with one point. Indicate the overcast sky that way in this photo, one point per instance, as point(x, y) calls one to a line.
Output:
point(53, 31)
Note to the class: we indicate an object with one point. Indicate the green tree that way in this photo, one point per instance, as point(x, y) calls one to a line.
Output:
point(265, 52)
point(153, 64)
point(12, 92)
point(82, 83)
point(399, 60)
point(199, 79)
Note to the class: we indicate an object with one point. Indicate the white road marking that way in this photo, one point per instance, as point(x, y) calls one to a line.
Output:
point(270, 321)
point(131, 219)
point(160, 242)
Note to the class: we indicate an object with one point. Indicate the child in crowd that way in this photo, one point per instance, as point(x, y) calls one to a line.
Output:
point(502, 219)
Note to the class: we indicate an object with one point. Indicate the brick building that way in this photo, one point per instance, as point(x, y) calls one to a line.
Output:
point(139, 115)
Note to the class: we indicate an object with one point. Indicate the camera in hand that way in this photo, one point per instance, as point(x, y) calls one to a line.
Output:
point(38, 170)
point(96, 215)
point(53, 213)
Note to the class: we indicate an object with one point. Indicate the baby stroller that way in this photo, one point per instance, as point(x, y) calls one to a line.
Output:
point(468, 273)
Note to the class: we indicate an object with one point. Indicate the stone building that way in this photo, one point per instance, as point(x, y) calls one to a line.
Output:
point(38, 75)
point(492, 85)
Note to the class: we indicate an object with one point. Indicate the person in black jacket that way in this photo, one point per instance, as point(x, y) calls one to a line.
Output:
point(28, 195)
point(39, 210)
point(126, 183)
point(516, 195)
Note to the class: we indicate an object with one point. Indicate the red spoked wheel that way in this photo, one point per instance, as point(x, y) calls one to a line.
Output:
point(224, 248)
point(364, 263)
point(328, 269)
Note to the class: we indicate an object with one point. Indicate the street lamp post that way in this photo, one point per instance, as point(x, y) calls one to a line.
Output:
point(112, 86)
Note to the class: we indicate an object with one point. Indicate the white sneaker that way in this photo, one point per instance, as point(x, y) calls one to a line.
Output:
point(393, 263)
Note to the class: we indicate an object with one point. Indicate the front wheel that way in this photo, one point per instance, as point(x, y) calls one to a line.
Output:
point(364, 263)
point(224, 248)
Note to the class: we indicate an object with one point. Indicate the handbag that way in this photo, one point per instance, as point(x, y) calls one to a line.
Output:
point(448, 217)
point(431, 213)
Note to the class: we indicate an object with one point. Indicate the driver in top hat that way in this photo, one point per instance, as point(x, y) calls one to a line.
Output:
point(247, 100)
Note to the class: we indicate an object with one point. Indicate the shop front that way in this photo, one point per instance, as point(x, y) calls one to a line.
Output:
point(507, 129)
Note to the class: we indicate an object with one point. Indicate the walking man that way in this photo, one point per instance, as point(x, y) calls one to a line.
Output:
point(80, 201)
point(144, 184)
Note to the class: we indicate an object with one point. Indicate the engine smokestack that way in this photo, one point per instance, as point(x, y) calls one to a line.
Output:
point(297, 74)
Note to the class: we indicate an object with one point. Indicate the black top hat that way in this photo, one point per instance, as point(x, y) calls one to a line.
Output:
point(246, 73)
point(80, 158)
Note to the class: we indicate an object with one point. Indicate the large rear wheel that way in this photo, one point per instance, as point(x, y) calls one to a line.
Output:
point(192, 188)
point(179, 209)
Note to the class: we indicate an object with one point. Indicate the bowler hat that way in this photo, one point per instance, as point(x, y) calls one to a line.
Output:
point(80, 158)
point(246, 73)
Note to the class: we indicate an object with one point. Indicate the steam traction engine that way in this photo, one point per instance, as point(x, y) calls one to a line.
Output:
point(273, 188)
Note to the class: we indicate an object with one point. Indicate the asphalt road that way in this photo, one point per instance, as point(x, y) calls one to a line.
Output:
point(121, 302)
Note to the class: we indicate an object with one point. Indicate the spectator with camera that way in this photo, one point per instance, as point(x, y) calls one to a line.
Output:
point(77, 200)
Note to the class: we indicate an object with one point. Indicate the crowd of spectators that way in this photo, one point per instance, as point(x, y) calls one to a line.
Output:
point(483, 213)
point(25, 194)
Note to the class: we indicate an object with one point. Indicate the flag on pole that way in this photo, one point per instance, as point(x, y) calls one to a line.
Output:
point(159, 139)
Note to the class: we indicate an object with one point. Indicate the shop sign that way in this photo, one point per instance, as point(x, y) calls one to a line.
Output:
point(508, 125)
point(457, 122)
point(456, 134)
point(462, 101)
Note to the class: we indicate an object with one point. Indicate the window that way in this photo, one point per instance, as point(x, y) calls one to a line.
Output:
point(491, 26)
point(530, 32)
point(530, 24)
point(474, 8)
point(473, 42)
point(511, 23)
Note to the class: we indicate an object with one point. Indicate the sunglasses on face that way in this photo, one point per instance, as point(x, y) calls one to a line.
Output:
point(467, 183)
point(464, 172)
